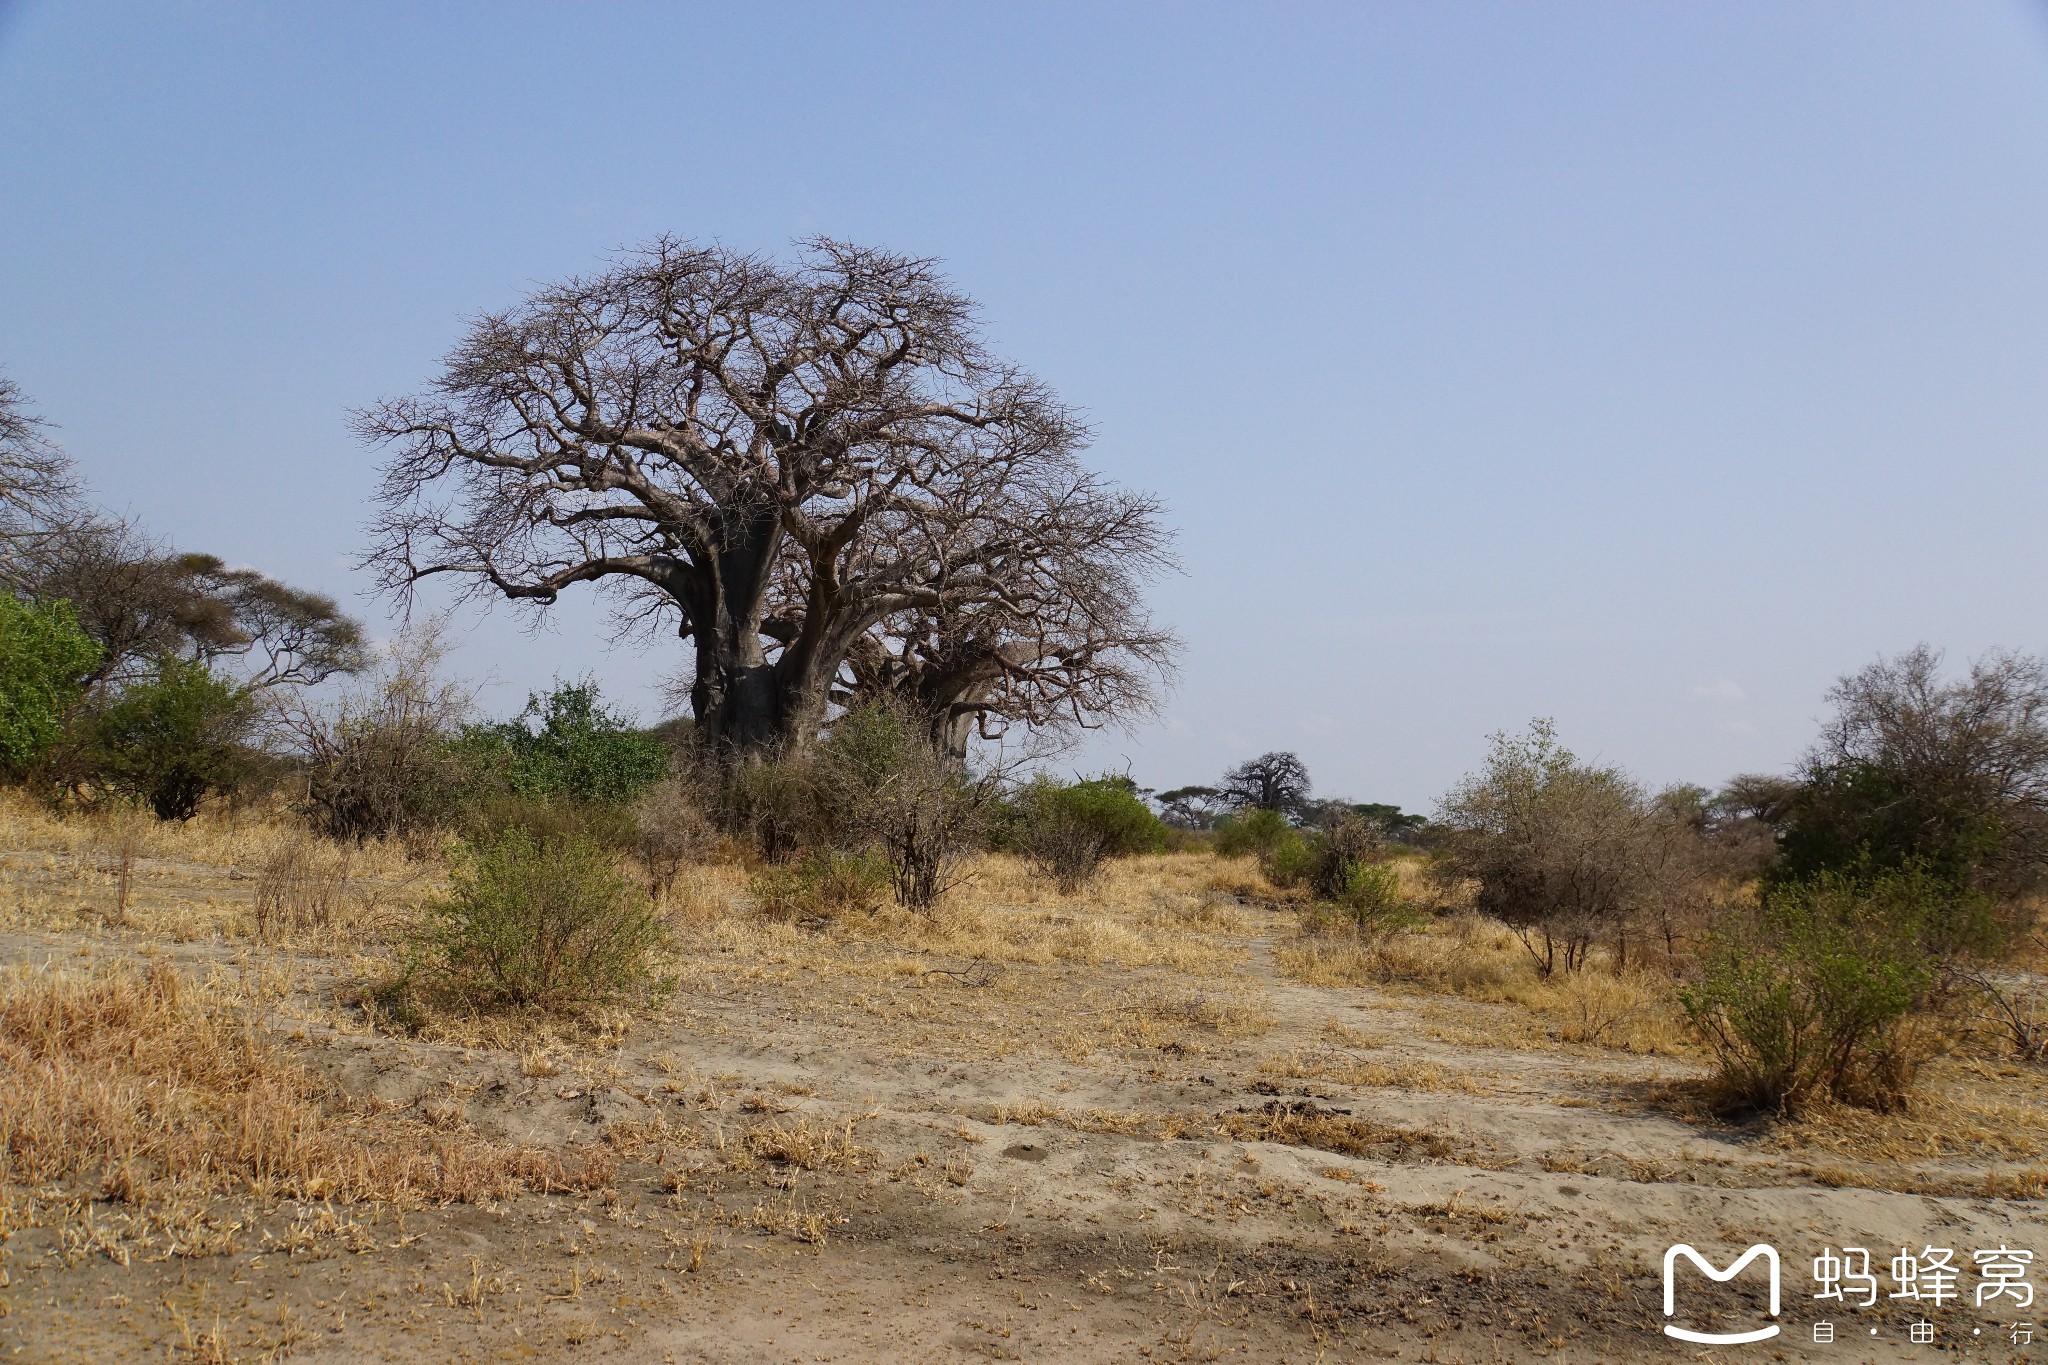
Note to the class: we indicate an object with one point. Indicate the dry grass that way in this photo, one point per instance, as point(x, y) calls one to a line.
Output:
point(138, 1086)
point(1341, 1068)
point(1961, 1108)
point(1481, 960)
point(242, 838)
point(198, 880)
point(1300, 1123)
point(809, 1144)
point(1141, 912)
point(1241, 879)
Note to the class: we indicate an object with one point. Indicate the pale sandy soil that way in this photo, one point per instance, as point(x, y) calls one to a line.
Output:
point(1059, 1159)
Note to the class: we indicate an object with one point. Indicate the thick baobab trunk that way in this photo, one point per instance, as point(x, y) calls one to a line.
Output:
point(737, 697)
point(952, 728)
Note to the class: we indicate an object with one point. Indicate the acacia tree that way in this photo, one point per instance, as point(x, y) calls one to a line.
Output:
point(696, 427)
point(142, 603)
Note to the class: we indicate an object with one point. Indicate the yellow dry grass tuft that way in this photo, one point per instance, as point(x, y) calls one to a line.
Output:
point(233, 838)
point(1299, 1123)
point(127, 1083)
point(1960, 1108)
point(1481, 960)
point(1340, 1068)
point(809, 1144)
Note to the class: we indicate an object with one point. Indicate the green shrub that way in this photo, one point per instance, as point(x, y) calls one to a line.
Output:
point(1254, 833)
point(544, 923)
point(1372, 906)
point(566, 747)
point(1291, 860)
point(1347, 855)
point(1068, 830)
point(1824, 991)
point(44, 661)
point(882, 784)
point(174, 738)
point(823, 886)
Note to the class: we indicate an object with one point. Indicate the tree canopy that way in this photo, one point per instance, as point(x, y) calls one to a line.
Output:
point(813, 471)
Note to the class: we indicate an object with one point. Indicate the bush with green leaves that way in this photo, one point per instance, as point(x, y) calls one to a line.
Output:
point(1348, 853)
point(174, 738)
point(544, 923)
point(883, 784)
point(1291, 860)
point(822, 886)
point(45, 660)
point(1826, 989)
point(1949, 774)
point(566, 746)
point(1255, 833)
point(1069, 829)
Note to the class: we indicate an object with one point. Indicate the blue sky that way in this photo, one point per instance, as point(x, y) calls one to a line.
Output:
point(1644, 366)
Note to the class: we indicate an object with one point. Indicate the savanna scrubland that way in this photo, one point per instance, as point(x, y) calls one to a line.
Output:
point(824, 1021)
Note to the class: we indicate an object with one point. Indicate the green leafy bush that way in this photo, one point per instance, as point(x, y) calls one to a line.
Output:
point(823, 886)
point(1825, 990)
point(44, 661)
point(566, 746)
point(544, 923)
point(1370, 906)
point(1068, 830)
point(1255, 833)
point(1290, 860)
point(1914, 769)
point(173, 738)
point(883, 785)
point(1349, 856)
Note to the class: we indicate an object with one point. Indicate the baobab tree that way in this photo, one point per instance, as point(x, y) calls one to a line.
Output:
point(775, 460)
point(1066, 645)
point(976, 673)
point(1276, 781)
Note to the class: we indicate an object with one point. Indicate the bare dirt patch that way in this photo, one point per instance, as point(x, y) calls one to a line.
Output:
point(1036, 1128)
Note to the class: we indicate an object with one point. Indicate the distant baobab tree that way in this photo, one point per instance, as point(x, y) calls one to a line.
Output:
point(815, 472)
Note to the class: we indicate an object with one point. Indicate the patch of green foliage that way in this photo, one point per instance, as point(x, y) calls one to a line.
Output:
point(566, 746)
point(543, 923)
point(1069, 829)
point(174, 738)
point(1254, 833)
point(1863, 817)
point(1823, 990)
point(44, 661)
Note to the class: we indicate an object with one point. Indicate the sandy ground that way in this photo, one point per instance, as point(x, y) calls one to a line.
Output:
point(1041, 1161)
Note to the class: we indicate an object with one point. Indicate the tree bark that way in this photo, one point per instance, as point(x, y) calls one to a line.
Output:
point(736, 697)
